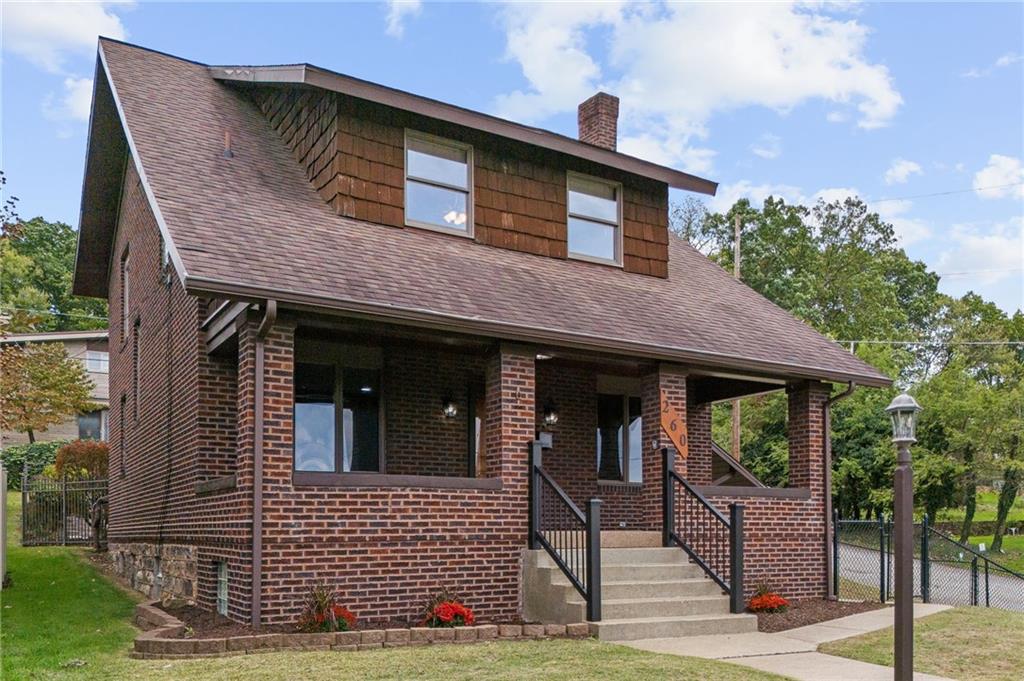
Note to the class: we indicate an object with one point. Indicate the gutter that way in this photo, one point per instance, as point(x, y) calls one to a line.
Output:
point(827, 463)
point(266, 324)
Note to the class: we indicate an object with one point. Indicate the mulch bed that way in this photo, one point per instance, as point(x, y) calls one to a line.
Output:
point(810, 611)
point(205, 624)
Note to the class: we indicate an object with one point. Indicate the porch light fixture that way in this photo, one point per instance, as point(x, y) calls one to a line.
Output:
point(550, 415)
point(903, 411)
point(543, 356)
point(448, 408)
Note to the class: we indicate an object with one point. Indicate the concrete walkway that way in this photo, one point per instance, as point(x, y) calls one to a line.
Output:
point(794, 653)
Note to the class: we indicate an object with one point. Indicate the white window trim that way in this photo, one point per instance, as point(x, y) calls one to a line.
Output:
point(470, 200)
point(617, 261)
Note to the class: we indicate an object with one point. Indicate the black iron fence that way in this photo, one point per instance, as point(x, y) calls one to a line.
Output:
point(62, 512)
point(945, 571)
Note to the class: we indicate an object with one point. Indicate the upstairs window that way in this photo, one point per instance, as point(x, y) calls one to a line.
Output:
point(595, 219)
point(438, 184)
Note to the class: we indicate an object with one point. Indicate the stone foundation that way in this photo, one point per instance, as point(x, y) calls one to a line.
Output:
point(156, 571)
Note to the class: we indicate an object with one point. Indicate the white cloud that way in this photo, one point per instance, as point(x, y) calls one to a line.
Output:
point(769, 146)
point(909, 230)
point(74, 104)
point(728, 194)
point(1008, 59)
point(900, 170)
point(1004, 176)
point(986, 259)
point(47, 33)
point(675, 65)
point(398, 12)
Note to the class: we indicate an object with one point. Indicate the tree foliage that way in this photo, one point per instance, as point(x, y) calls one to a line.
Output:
point(839, 267)
point(37, 259)
point(40, 386)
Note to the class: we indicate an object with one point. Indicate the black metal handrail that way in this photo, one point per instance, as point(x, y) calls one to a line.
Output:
point(571, 537)
point(712, 541)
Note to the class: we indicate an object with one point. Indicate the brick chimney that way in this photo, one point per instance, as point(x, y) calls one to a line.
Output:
point(598, 120)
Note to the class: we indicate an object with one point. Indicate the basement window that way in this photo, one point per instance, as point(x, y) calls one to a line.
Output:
point(438, 183)
point(222, 588)
point(595, 219)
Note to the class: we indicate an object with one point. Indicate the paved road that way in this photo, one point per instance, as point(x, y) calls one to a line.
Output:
point(949, 583)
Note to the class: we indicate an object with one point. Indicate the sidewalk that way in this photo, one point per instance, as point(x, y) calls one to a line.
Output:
point(794, 653)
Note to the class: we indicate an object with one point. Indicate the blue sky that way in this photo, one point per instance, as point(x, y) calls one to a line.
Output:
point(894, 102)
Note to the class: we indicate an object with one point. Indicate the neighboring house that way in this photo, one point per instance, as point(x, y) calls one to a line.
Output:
point(90, 348)
point(340, 315)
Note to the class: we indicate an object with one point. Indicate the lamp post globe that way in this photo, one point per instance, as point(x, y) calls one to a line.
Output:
point(903, 412)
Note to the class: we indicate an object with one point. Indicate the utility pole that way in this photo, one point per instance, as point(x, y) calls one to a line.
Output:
point(736, 403)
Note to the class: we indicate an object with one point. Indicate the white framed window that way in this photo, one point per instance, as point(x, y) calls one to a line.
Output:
point(222, 588)
point(96, 361)
point(595, 219)
point(438, 183)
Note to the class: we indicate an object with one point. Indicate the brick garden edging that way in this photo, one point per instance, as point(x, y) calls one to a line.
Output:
point(162, 638)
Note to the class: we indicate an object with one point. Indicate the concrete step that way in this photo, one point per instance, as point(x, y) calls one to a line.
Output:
point(654, 571)
point(633, 629)
point(630, 539)
point(645, 556)
point(631, 608)
point(675, 588)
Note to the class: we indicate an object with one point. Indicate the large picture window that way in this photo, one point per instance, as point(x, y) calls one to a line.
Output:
point(337, 411)
point(595, 219)
point(438, 183)
point(619, 438)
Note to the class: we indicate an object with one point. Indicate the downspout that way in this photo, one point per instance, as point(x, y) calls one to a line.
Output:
point(827, 415)
point(266, 324)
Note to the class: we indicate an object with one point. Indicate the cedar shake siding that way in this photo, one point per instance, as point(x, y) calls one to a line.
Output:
point(353, 154)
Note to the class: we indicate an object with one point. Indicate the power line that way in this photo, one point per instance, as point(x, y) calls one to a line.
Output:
point(901, 342)
point(57, 314)
point(946, 193)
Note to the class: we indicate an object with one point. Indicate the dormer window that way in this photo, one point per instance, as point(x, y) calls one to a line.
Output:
point(438, 183)
point(595, 219)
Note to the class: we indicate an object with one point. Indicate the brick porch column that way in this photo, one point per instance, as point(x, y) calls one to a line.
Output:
point(806, 431)
point(509, 426)
point(672, 380)
point(698, 423)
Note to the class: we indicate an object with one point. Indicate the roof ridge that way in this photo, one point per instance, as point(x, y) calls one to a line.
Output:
point(105, 39)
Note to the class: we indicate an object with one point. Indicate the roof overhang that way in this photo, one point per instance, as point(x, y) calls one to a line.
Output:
point(313, 76)
point(298, 300)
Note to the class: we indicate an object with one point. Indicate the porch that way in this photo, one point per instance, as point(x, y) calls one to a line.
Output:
point(396, 461)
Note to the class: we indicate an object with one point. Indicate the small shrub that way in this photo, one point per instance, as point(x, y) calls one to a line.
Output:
point(82, 460)
point(322, 612)
point(33, 457)
point(445, 609)
point(766, 600)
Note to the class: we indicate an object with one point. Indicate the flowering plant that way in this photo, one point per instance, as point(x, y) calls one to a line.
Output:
point(768, 602)
point(323, 613)
point(449, 614)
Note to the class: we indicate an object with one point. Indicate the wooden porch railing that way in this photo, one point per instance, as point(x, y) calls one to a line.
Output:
point(570, 537)
point(713, 542)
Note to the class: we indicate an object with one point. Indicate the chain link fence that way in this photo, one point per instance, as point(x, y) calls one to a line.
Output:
point(945, 571)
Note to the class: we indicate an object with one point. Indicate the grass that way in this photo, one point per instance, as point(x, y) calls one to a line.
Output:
point(62, 619)
point(985, 509)
point(1013, 550)
point(982, 644)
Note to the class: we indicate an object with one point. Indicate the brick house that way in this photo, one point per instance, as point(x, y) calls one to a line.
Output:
point(342, 315)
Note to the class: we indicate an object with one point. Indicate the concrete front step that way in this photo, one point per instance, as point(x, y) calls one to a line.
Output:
point(652, 571)
point(630, 608)
point(648, 556)
point(633, 629)
point(675, 588)
point(621, 539)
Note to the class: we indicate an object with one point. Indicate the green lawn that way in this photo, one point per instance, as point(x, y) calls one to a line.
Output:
point(1013, 547)
point(981, 644)
point(985, 509)
point(62, 619)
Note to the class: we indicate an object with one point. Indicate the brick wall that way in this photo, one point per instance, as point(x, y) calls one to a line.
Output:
point(182, 402)
point(388, 549)
point(698, 426)
point(353, 154)
point(671, 380)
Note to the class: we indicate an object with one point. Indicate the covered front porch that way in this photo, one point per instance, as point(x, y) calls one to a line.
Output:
point(396, 460)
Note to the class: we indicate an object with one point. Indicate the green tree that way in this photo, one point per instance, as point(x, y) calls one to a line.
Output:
point(38, 259)
point(40, 386)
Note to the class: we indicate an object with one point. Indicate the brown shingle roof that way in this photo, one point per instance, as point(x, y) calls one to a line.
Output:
point(252, 224)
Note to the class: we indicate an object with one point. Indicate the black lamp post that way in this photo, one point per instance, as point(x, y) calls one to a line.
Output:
point(903, 412)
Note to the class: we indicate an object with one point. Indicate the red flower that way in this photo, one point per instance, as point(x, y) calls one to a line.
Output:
point(449, 614)
point(768, 602)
